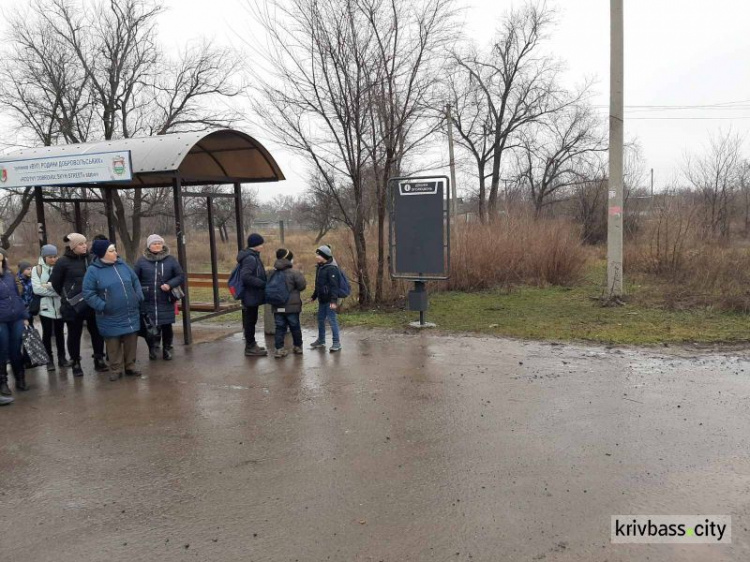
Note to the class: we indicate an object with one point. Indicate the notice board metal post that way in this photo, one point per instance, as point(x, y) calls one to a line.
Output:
point(419, 235)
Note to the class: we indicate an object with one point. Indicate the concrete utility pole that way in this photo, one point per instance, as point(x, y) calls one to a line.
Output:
point(616, 136)
point(454, 190)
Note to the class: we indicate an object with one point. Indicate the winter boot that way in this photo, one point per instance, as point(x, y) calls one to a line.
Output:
point(4, 389)
point(152, 352)
point(132, 373)
point(77, 371)
point(5, 400)
point(318, 344)
point(167, 354)
point(113, 376)
point(280, 353)
point(254, 350)
point(20, 377)
point(297, 350)
point(100, 365)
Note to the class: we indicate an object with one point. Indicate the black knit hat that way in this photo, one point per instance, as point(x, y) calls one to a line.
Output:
point(284, 254)
point(254, 240)
point(99, 248)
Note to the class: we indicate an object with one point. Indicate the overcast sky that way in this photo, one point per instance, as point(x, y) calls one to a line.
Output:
point(686, 53)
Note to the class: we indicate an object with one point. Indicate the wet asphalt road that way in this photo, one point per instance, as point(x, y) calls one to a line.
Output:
point(403, 447)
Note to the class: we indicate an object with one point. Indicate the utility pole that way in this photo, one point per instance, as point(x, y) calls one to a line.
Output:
point(652, 183)
point(616, 137)
point(454, 198)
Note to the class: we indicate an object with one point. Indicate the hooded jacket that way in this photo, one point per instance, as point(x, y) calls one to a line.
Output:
point(50, 305)
point(295, 283)
point(326, 283)
point(153, 271)
point(12, 307)
point(253, 276)
point(67, 279)
point(114, 292)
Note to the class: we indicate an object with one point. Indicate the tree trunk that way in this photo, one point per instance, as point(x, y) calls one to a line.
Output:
point(482, 196)
point(26, 199)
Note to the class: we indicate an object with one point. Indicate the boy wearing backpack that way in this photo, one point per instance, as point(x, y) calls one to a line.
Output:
point(283, 294)
point(327, 292)
point(253, 279)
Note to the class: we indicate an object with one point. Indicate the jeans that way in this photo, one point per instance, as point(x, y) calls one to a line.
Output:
point(326, 313)
point(57, 327)
point(75, 331)
point(10, 344)
point(291, 321)
point(249, 320)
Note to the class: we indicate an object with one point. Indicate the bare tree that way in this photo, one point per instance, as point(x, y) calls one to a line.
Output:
point(716, 175)
point(95, 71)
point(499, 93)
point(554, 152)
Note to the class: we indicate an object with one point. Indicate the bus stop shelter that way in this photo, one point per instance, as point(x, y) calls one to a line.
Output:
point(178, 161)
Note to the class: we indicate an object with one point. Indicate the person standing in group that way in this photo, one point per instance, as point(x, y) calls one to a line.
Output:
point(112, 289)
point(287, 315)
point(50, 307)
point(26, 286)
point(159, 272)
point(254, 282)
point(67, 281)
point(327, 294)
point(14, 317)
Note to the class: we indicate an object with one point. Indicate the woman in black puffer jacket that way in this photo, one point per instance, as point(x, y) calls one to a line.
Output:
point(13, 319)
point(67, 281)
point(159, 273)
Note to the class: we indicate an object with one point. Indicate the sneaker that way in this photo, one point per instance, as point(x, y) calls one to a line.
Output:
point(77, 371)
point(100, 366)
point(132, 373)
point(280, 353)
point(255, 351)
point(335, 347)
point(5, 400)
point(113, 376)
point(297, 350)
point(317, 344)
point(50, 366)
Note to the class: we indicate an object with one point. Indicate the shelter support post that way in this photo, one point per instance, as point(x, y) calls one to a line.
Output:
point(79, 217)
point(109, 209)
point(179, 226)
point(41, 222)
point(214, 259)
point(238, 216)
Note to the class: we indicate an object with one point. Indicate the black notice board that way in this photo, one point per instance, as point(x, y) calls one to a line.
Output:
point(419, 226)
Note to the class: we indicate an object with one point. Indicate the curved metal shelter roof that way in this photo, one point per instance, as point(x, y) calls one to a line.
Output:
point(206, 157)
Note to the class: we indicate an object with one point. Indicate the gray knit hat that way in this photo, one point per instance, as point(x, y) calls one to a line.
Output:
point(154, 239)
point(49, 250)
point(324, 251)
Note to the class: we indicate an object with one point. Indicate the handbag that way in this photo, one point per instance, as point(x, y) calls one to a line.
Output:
point(177, 294)
point(76, 302)
point(34, 348)
point(149, 329)
point(35, 306)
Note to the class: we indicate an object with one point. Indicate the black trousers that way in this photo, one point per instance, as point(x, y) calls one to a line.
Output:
point(166, 336)
point(51, 326)
point(249, 320)
point(75, 331)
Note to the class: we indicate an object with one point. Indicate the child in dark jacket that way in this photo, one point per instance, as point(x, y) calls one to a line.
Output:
point(287, 316)
point(327, 294)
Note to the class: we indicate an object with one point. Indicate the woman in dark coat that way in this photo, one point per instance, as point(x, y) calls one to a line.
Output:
point(159, 272)
point(14, 317)
point(67, 281)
